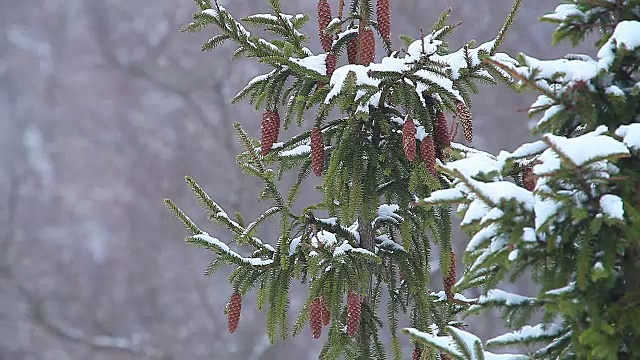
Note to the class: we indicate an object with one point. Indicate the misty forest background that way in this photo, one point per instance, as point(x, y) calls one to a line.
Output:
point(104, 107)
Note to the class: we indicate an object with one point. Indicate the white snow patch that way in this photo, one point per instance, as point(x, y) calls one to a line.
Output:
point(315, 63)
point(612, 206)
point(528, 333)
point(631, 135)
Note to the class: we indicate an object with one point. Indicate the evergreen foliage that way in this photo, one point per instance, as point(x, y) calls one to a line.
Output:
point(566, 208)
point(364, 238)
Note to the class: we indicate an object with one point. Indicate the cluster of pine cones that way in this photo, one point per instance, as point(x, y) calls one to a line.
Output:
point(320, 315)
point(432, 147)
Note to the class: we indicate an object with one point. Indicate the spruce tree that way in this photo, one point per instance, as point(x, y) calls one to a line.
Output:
point(373, 130)
point(566, 208)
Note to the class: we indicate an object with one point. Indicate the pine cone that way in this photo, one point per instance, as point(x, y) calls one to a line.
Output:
point(409, 138)
point(326, 313)
point(529, 179)
point(384, 19)
point(315, 318)
point(324, 18)
point(428, 155)
point(441, 135)
point(450, 279)
point(330, 63)
point(444, 356)
point(270, 130)
point(352, 51)
point(417, 352)
point(317, 151)
point(367, 47)
point(465, 119)
point(353, 313)
point(401, 276)
point(234, 308)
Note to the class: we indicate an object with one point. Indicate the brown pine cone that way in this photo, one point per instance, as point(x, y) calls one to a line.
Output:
point(315, 318)
point(234, 308)
point(441, 135)
point(367, 47)
point(417, 352)
point(353, 313)
point(450, 279)
point(330, 63)
point(317, 151)
point(428, 155)
point(326, 313)
point(269, 130)
point(352, 51)
point(529, 179)
point(324, 18)
point(444, 356)
point(384, 19)
point(409, 138)
point(465, 119)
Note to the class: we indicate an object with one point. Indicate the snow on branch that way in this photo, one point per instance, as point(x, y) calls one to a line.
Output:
point(223, 249)
point(579, 151)
point(528, 335)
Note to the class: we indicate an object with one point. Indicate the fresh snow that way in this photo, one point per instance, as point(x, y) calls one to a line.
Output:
point(563, 11)
point(614, 90)
point(346, 247)
point(298, 150)
point(474, 164)
point(549, 113)
point(580, 150)
point(444, 195)
point(630, 135)
point(442, 342)
point(225, 249)
point(501, 296)
point(293, 246)
point(527, 333)
point(529, 234)
point(442, 296)
point(388, 211)
point(314, 63)
point(612, 206)
point(624, 36)
point(324, 238)
point(562, 290)
point(485, 234)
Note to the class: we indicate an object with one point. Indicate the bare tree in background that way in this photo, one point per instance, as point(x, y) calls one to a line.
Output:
point(104, 107)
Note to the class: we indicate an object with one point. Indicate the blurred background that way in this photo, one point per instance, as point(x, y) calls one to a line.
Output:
point(104, 107)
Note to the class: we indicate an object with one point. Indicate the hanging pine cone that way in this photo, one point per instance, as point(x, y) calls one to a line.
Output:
point(444, 356)
point(367, 47)
point(234, 308)
point(326, 313)
point(417, 352)
point(401, 276)
point(330, 63)
point(428, 155)
point(409, 138)
point(529, 179)
point(315, 318)
point(465, 119)
point(353, 313)
point(441, 135)
point(383, 10)
point(269, 130)
point(450, 279)
point(317, 151)
point(352, 51)
point(324, 18)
